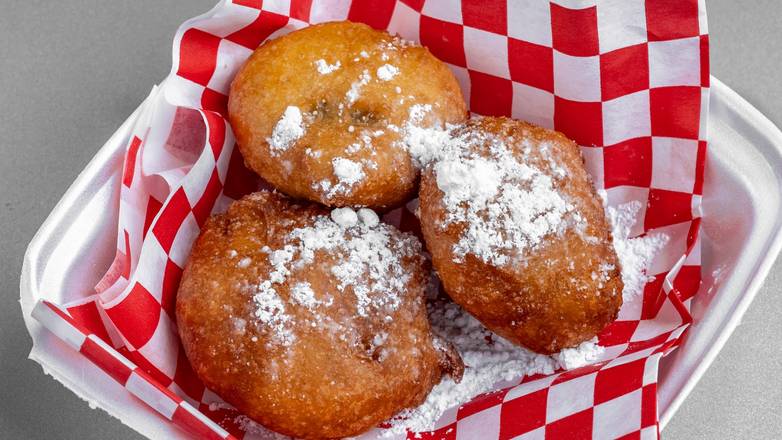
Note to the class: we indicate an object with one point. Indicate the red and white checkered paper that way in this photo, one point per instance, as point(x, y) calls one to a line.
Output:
point(627, 79)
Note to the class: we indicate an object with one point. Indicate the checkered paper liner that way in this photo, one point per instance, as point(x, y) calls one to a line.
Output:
point(627, 79)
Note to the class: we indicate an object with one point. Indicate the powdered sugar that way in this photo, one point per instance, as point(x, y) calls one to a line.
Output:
point(355, 89)
point(635, 254)
point(345, 217)
point(584, 354)
point(270, 312)
point(387, 72)
point(368, 217)
point(489, 360)
point(367, 264)
point(347, 172)
point(325, 68)
point(506, 206)
point(303, 295)
point(288, 130)
point(423, 143)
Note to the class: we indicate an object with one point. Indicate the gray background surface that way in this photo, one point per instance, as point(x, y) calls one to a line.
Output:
point(71, 72)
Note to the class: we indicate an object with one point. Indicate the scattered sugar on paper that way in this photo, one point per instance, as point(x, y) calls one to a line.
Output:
point(635, 254)
point(287, 130)
point(489, 360)
point(325, 68)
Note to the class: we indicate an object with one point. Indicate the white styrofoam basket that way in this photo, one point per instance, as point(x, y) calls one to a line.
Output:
point(76, 244)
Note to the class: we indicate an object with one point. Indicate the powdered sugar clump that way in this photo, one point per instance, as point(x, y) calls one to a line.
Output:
point(288, 130)
point(505, 205)
point(347, 172)
point(270, 312)
point(635, 254)
point(345, 217)
point(387, 72)
point(584, 354)
point(303, 295)
point(325, 68)
point(367, 264)
point(368, 217)
point(423, 143)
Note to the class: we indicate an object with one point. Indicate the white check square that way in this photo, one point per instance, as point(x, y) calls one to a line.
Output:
point(530, 20)
point(673, 163)
point(533, 105)
point(570, 397)
point(616, 418)
point(621, 23)
point(486, 52)
point(445, 10)
point(675, 62)
point(626, 117)
point(577, 78)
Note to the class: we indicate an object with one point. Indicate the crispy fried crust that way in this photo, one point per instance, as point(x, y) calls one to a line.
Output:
point(321, 386)
point(553, 302)
point(283, 73)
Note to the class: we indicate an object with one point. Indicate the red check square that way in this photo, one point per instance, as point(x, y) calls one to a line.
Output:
point(667, 208)
point(628, 163)
point(653, 297)
point(487, 15)
point(198, 56)
point(574, 31)
point(531, 64)
point(214, 101)
point(618, 332)
point(613, 382)
point(171, 219)
point(580, 121)
point(172, 274)
point(255, 33)
point(444, 39)
point(675, 111)
point(481, 403)
point(670, 19)
point(687, 282)
point(186, 378)
point(574, 427)
point(300, 9)
point(136, 316)
point(523, 414)
point(624, 71)
point(376, 13)
point(490, 95)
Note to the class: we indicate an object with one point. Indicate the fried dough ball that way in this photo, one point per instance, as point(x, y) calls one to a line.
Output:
point(313, 325)
point(323, 113)
point(518, 234)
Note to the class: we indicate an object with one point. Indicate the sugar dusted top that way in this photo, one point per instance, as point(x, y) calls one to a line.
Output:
point(363, 258)
point(320, 113)
point(507, 202)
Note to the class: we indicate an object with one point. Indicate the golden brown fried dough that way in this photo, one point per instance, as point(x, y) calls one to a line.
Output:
point(322, 113)
point(518, 235)
point(313, 327)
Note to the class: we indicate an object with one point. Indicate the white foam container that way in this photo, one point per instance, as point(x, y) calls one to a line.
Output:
point(741, 237)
